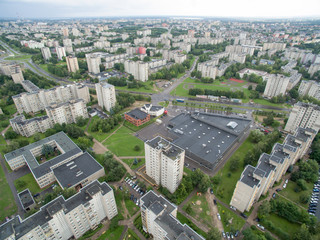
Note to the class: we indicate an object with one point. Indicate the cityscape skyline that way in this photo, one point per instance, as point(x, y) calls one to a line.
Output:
point(125, 8)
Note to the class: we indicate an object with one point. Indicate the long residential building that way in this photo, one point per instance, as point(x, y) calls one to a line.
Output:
point(71, 169)
point(303, 115)
point(276, 85)
point(46, 54)
point(310, 88)
point(256, 181)
point(65, 219)
point(274, 46)
point(72, 63)
point(13, 70)
point(39, 100)
point(159, 218)
point(106, 95)
point(164, 163)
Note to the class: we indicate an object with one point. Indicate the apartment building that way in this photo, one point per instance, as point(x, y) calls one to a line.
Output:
point(65, 219)
point(29, 86)
point(139, 69)
point(46, 53)
point(93, 61)
point(39, 100)
point(313, 69)
point(240, 49)
point(256, 181)
point(28, 127)
point(249, 71)
point(72, 63)
point(67, 43)
point(13, 70)
point(67, 112)
point(303, 115)
point(310, 88)
point(276, 84)
point(145, 32)
point(61, 52)
point(274, 46)
point(65, 32)
point(159, 218)
point(176, 55)
point(164, 163)
point(106, 95)
point(240, 58)
point(32, 44)
point(72, 168)
point(101, 44)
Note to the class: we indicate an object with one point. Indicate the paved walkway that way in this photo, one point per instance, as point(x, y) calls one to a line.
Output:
point(129, 224)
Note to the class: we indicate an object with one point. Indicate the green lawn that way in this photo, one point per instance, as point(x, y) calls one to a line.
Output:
point(112, 234)
point(10, 108)
point(122, 143)
point(146, 88)
point(185, 220)
point(131, 206)
point(100, 136)
point(200, 209)
point(44, 67)
point(7, 204)
point(187, 171)
point(30, 183)
point(2, 141)
point(20, 57)
point(134, 166)
point(267, 103)
point(131, 235)
point(289, 192)
point(230, 220)
point(224, 190)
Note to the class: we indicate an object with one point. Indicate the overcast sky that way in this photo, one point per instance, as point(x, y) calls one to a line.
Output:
point(211, 8)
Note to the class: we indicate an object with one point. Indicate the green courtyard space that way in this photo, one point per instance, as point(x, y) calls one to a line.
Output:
point(231, 221)
point(228, 180)
point(131, 235)
point(290, 193)
point(184, 220)
point(147, 87)
point(27, 181)
point(134, 163)
point(7, 204)
point(124, 143)
point(131, 207)
point(19, 58)
point(112, 234)
point(198, 208)
point(100, 136)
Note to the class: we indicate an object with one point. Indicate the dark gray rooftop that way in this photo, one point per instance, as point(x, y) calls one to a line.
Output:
point(265, 165)
point(75, 171)
point(168, 149)
point(278, 152)
point(67, 145)
point(137, 114)
point(26, 198)
point(247, 176)
point(21, 227)
point(20, 119)
point(150, 197)
point(206, 135)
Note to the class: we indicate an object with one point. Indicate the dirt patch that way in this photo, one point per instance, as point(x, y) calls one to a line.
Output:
point(198, 202)
point(98, 149)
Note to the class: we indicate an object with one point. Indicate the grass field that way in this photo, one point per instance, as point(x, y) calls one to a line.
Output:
point(122, 143)
point(19, 58)
point(200, 209)
point(184, 220)
point(114, 234)
point(100, 136)
point(289, 193)
point(230, 220)
point(134, 166)
point(131, 235)
point(225, 189)
point(7, 204)
point(131, 206)
point(30, 183)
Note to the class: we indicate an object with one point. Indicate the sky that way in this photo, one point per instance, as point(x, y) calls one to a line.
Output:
point(115, 8)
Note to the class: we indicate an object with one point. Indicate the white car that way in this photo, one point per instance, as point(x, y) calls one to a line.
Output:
point(218, 215)
point(260, 226)
point(284, 185)
point(286, 181)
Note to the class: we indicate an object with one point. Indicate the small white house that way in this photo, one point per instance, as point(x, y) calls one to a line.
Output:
point(152, 110)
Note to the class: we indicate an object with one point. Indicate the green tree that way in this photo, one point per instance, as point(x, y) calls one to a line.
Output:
point(234, 164)
point(256, 136)
point(214, 234)
point(189, 209)
point(10, 134)
point(46, 150)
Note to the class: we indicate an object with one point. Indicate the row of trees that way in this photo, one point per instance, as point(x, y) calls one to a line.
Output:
point(105, 125)
point(170, 73)
point(39, 81)
point(114, 170)
point(226, 93)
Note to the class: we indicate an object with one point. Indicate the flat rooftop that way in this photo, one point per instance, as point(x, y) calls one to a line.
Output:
point(26, 198)
point(77, 170)
point(67, 145)
point(168, 148)
point(247, 176)
point(207, 136)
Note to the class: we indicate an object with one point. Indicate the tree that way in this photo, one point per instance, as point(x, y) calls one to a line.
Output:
point(264, 209)
point(214, 234)
point(302, 234)
point(256, 136)
point(37, 137)
point(46, 150)
point(268, 120)
point(204, 183)
point(21, 184)
point(304, 198)
point(234, 164)
point(10, 134)
point(137, 148)
point(189, 209)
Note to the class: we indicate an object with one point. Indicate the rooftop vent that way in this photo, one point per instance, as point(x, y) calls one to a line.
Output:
point(204, 145)
point(199, 137)
point(222, 142)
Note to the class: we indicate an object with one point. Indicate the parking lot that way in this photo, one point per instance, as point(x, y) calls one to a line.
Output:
point(133, 186)
point(314, 206)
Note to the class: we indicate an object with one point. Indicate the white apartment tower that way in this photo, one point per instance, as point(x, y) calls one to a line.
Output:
point(46, 54)
point(276, 84)
point(303, 115)
point(93, 62)
point(310, 88)
point(139, 69)
point(106, 95)
point(60, 52)
point(72, 63)
point(164, 163)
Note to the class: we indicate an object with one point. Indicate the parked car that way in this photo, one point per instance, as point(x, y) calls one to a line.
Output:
point(211, 190)
point(286, 181)
point(215, 202)
point(223, 235)
point(243, 215)
point(278, 189)
point(228, 236)
point(233, 208)
point(218, 215)
point(284, 185)
point(274, 195)
point(237, 233)
point(260, 226)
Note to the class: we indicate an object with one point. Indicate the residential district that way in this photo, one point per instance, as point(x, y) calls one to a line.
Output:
point(159, 128)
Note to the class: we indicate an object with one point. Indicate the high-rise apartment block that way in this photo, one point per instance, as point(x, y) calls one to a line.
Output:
point(164, 163)
point(12, 70)
point(60, 52)
point(303, 115)
point(72, 63)
point(106, 95)
point(310, 88)
point(159, 218)
point(274, 46)
point(39, 100)
point(65, 32)
point(46, 54)
point(276, 84)
point(67, 43)
point(256, 181)
point(93, 62)
point(65, 219)
point(139, 69)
